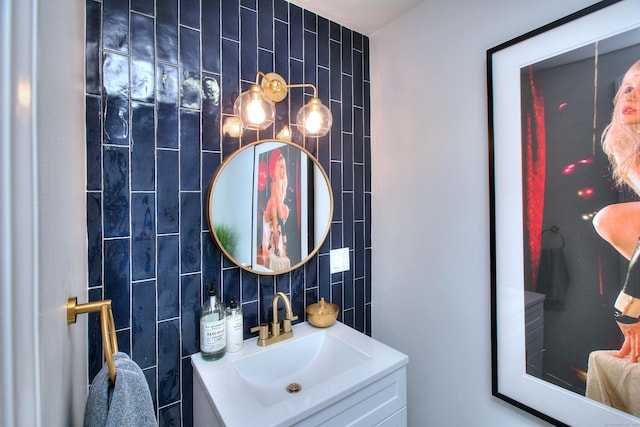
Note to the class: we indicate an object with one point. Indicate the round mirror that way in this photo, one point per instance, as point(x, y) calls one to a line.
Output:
point(269, 206)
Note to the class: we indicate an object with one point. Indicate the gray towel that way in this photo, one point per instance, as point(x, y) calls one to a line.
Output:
point(128, 403)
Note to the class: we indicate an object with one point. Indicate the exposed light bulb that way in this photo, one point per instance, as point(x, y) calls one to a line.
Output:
point(313, 122)
point(255, 113)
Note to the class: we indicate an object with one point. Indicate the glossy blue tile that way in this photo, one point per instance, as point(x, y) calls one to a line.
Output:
point(230, 74)
point(296, 96)
point(251, 4)
point(93, 36)
point(94, 238)
point(150, 375)
point(348, 291)
point(231, 285)
point(365, 58)
point(210, 163)
point(169, 416)
point(357, 41)
point(335, 31)
point(348, 317)
point(310, 53)
point(281, 10)
point(367, 109)
point(295, 32)
point(358, 191)
point(143, 230)
point(143, 323)
point(93, 116)
point(281, 49)
point(248, 45)
point(347, 218)
point(167, 196)
point(210, 112)
point(115, 27)
point(167, 31)
point(367, 164)
point(359, 305)
point(230, 19)
point(168, 362)
point(189, 150)
point(190, 302)
point(324, 272)
point(210, 34)
point(358, 81)
point(336, 187)
point(335, 73)
point(123, 337)
point(347, 60)
point(265, 24)
point(347, 103)
point(211, 259)
point(367, 220)
point(367, 275)
point(143, 6)
point(310, 21)
point(323, 41)
point(167, 107)
point(249, 286)
point(190, 88)
point(311, 272)
point(250, 314)
point(117, 280)
point(94, 337)
point(347, 160)
point(190, 232)
point(336, 234)
point(358, 135)
point(357, 261)
point(265, 60)
point(115, 99)
point(190, 13)
point(267, 291)
point(142, 58)
point(168, 276)
point(336, 297)
point(116, 191)
point(143, 162)
point(187, 392)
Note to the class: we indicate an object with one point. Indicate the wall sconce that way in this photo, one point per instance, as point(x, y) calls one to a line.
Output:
point(255, 108)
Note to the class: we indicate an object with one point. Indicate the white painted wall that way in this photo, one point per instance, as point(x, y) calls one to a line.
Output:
point(431, 282)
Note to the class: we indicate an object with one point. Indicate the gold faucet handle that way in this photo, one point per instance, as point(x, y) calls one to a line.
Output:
point(263, 330)
point(286, 323)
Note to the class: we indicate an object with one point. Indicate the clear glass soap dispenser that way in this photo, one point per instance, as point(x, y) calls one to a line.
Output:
point(235, 329)
point(213, 340)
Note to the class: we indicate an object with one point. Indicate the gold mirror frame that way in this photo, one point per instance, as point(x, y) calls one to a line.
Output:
point(249, 152)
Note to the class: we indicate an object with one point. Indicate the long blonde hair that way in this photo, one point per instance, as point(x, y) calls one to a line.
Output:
point(621, 142)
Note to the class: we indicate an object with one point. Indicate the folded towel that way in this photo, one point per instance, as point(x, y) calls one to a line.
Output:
point(127, 403)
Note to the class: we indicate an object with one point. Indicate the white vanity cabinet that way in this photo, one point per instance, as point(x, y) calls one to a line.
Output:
point(353, 380)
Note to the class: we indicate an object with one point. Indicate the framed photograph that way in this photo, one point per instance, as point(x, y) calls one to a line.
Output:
point(565, 214)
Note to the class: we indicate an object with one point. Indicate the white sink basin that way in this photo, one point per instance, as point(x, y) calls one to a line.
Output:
point(305, 362)
point(250, 387)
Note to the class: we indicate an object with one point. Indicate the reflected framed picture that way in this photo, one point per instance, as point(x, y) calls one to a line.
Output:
point(558, 256)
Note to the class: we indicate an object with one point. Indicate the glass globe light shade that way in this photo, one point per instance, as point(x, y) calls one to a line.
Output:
point(314, 119)
point(254, 109)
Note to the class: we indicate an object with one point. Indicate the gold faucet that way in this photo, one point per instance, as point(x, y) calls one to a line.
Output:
point(277, 334)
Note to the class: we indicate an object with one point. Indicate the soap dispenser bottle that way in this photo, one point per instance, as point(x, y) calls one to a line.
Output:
point(235, 328)
point(213, 340)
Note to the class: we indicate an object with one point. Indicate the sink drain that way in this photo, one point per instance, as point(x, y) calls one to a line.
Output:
point(293, 388)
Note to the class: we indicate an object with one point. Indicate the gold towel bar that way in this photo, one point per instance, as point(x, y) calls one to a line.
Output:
point(109, 340)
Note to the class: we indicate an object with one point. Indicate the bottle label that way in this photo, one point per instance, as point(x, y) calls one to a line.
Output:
point(212, 335)
point(234, 333)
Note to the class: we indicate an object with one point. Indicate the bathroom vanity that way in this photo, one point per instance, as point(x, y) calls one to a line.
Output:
point(333, 376)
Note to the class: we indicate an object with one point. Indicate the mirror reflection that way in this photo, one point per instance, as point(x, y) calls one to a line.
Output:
point(269, 206)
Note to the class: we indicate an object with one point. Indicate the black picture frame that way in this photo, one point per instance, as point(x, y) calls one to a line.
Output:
point(512, 382)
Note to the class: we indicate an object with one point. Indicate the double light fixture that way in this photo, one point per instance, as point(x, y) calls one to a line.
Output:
point(255, 108)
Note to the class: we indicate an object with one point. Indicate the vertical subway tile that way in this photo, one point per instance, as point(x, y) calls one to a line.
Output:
point(94, 238)
point(347, 102)
point(210, 34)
point(323, 41)
point(115, 99)
point(189, 150)
point(335, 73)
point(248, 45)
point(116, 191)
point(170, 415)
point(190, 13)
point(367, 220)
point(167, 31)
point(336, 130)
point(265, 24)
point(150, 374)
point(281, 10)
point(295, 32)
point(143, 324)
point(93, 122)
point(94, 337)
point(189, 68)
point(250, 4)
point(210, 163)
point(143, 235)
point(143, 170)
point(231, 285)
point(187, 392)
point(358, 135)
point(168, 191)
point(357, 41)
point(365, 59)
point(310, 44)
point(281, 48)
point(117, 280)
point(168, 362)
point(335, 31)
point(347, 161)
point(347, 218)
point(358, 191)
point(190, 232)
point(168, 276)
point(189, 308)
point(230, 19)
point(230, 74)
point(358, 259)
point(358, 80)
point(115, 25)
point(359, 305)
point(167, 107)
point(93, 35)
point(310, 21)
point(211, 259)
point(346, 51)
point(143, 6)
point(249, 286)
point(210, 112)
point(142, 58)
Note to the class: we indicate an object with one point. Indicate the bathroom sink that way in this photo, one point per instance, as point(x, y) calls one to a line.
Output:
point(292, 366)
point(290, 381)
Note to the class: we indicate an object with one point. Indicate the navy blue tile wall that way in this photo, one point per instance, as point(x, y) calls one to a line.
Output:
point(161, 76)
